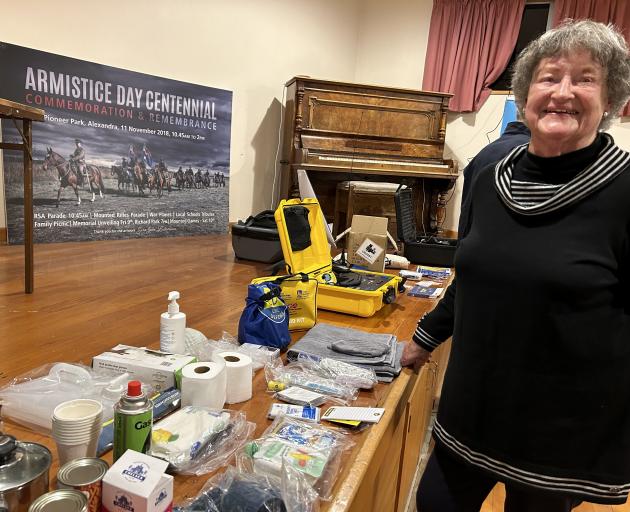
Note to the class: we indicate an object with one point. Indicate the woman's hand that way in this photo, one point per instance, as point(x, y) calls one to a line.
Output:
point(415, 355)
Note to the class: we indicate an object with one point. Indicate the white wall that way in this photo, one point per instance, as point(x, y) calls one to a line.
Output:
point(392, 42)
point(252, 47)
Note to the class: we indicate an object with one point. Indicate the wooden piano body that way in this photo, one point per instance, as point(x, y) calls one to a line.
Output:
point(341, 131)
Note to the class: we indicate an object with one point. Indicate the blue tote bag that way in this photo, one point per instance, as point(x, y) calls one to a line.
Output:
point(265, 319)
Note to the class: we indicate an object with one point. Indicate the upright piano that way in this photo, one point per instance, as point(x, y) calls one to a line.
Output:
point(343, 131)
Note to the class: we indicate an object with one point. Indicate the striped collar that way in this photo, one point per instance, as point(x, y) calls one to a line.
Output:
point(610, 162)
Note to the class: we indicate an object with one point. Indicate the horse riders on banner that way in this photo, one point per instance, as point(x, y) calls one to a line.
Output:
point(77, 159)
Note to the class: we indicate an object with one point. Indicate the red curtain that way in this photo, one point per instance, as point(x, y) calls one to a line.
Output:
point(470, 44)
point(616, 12)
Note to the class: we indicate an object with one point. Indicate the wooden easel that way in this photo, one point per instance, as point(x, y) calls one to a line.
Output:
point(18, 112)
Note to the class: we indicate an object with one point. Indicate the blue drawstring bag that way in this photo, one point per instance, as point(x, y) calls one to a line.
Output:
point(265, 319)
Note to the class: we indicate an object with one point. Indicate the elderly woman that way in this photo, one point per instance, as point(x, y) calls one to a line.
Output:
point(537, 391)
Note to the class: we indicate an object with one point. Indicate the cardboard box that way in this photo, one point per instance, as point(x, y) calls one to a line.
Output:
point(160, 369)
point(367, 242)
point(137, 482)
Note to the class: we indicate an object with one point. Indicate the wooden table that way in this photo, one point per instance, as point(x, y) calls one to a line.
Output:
point(66, 322)
point(18, 112)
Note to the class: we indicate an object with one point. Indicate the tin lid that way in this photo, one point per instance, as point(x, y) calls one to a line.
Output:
point(21, 463)
point(63, 500)
point(83, 471)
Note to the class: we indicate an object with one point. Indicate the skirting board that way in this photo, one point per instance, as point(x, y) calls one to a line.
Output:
point(3, 235)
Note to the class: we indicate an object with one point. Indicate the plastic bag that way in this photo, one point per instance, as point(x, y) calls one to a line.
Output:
point(295, 374)
point(341, 372)
point(236, 491)
point(292, 448)
point(265, 319)
point(31, 398)
point(203, 350)
point(199, 440)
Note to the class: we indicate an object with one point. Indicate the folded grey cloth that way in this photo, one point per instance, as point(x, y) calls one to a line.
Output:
point(319, 340)
point(362, 348)
point(391, 371)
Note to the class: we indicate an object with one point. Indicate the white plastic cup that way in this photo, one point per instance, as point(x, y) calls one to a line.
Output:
point(76, 427)
point(78, 411)
point(71, 451)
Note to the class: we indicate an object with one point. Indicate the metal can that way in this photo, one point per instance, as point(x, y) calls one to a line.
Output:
point(67, 500)
point(85, 475)
point(133, 420)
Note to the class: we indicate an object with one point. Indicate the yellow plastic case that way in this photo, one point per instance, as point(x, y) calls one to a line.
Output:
point(316, 261)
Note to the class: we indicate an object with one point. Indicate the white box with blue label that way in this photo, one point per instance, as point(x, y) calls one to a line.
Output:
point(137, 482)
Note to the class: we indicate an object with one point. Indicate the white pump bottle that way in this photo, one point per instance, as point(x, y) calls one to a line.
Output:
point(173, 327)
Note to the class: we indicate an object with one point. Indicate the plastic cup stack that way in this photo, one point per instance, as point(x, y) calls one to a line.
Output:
point(76, 427)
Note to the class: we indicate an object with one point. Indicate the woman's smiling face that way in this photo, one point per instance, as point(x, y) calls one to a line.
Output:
point(565, 103)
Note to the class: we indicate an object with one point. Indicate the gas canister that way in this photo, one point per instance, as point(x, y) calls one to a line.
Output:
point(133, 420)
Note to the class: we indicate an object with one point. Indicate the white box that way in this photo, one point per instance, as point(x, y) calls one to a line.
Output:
point(150, 366)
point(137, 482)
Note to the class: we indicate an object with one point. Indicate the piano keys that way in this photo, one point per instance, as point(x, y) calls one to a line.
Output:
point(342, 131)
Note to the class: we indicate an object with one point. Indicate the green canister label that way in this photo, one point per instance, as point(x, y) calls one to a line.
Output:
point(132, 432)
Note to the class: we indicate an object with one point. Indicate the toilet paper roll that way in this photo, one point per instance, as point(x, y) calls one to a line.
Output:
point(204, 383)
point(239, 377)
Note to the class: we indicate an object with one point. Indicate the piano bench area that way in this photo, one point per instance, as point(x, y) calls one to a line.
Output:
point(373, 198)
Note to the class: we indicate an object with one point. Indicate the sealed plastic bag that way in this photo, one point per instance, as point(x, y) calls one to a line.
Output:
point(292, 446)
point(265, 319)
point(199, 440)
point(295, 374)
point(236, 491)
point(341, 372)
point(31, 398)
point(203, 349)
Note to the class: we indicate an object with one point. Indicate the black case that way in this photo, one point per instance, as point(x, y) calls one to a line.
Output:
point(425, 249)
point(257, 238)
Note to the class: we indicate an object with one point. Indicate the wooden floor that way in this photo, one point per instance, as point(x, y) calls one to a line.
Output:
point(494, 503)
point(92, 295)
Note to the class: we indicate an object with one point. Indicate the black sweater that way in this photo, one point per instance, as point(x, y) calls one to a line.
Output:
point(538, 384)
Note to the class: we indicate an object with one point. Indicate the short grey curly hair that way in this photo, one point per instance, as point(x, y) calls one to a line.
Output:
point(606, 46)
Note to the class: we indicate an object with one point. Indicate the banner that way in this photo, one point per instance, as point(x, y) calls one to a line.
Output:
point(121, 154)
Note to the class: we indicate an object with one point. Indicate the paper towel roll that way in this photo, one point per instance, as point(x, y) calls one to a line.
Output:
point(204, 384)
point(239, 377)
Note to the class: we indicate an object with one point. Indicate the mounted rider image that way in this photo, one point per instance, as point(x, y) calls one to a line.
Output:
point(132, 155)
point(146, 157)
point(77, 161)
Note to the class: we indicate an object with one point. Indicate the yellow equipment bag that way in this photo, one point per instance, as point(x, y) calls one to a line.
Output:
point(299, 293)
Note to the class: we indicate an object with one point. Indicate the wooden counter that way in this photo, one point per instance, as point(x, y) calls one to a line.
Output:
point(72, 318)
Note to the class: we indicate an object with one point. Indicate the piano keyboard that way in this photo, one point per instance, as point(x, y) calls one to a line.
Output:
point(380, 162)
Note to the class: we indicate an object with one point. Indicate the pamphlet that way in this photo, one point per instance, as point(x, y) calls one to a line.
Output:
point(426, 292)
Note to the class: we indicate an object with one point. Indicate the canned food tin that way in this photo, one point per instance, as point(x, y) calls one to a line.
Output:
point(67, 500)
point(85, 475)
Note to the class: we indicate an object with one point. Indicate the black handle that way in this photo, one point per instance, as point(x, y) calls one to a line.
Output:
point(389, 296)
point(8, 444)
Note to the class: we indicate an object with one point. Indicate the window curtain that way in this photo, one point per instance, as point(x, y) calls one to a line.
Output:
point(470, 45)
point(616, 12)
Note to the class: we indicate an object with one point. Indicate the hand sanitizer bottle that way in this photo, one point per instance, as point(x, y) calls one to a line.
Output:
point(173, 327)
